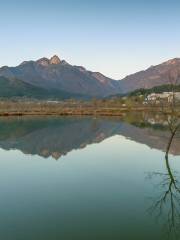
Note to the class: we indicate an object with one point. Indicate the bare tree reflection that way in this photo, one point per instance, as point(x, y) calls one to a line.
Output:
point(166, 208)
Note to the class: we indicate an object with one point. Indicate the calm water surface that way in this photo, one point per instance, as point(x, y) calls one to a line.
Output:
point(70, 178)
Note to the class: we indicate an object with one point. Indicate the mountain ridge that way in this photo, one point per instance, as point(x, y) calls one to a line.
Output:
point(167, 72)
point(54, 74)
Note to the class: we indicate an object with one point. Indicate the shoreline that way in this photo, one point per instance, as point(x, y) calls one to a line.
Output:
point(83, 112)
point(10, 108)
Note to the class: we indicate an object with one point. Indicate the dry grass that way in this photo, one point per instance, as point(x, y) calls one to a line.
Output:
point(11, 108)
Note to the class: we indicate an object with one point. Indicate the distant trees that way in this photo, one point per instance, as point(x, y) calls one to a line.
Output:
point(157, 89)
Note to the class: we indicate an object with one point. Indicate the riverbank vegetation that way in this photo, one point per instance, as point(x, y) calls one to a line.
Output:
point(101, 107)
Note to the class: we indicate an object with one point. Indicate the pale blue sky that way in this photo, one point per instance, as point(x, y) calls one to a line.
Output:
point(114, 37)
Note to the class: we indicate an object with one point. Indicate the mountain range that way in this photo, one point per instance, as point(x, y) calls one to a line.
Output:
point(55, 78)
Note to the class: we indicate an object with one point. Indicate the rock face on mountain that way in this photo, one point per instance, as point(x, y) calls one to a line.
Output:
point(165, 73)
point(56, 74)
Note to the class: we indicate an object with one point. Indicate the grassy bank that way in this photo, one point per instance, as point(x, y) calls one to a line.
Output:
point(19, 108)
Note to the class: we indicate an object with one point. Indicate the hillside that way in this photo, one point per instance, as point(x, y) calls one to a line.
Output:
point(15, 88)
point(162, 74)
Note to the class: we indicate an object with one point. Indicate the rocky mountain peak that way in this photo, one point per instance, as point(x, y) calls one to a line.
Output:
point(43, 61)
point(55, 60)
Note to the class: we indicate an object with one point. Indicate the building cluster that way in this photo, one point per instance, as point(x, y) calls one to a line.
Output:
point(165, 97)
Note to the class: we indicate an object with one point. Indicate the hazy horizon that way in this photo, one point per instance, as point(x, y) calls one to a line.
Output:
point(114, 38)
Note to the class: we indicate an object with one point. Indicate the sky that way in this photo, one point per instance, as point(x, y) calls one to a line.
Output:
point(116, 38)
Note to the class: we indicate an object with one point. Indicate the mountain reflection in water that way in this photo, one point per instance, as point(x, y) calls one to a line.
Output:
point(58, 136)
point(116, 189)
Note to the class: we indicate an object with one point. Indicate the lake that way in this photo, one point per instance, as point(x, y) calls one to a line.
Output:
point(88, 178)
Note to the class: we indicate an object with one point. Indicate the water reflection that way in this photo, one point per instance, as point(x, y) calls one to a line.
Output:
point(53, 136)
point(166, 208)
point(58, 136)
point(101, 188)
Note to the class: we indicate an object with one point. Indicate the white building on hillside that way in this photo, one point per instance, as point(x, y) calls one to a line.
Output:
point(166, 96)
